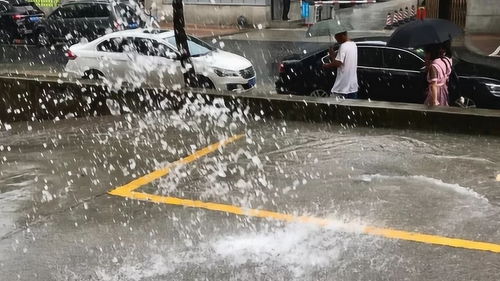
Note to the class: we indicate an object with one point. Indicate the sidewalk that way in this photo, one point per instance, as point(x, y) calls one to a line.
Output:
point(362, 17)
point(205, 30)
point(484, 44)
point(298, 35)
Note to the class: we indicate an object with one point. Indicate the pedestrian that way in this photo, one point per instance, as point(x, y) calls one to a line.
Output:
point(286, 9)
point(346, 62)
point(439, 68)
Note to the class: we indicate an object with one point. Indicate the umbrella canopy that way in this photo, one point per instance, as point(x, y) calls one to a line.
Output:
point(327, 28)
point(424, 32)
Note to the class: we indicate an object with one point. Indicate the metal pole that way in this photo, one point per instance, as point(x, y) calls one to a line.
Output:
point(182, 44)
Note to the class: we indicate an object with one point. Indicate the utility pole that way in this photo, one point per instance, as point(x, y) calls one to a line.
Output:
point(182, 43)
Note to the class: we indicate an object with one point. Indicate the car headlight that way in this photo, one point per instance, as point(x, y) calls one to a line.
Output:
point(225, 72)
point(494, 89)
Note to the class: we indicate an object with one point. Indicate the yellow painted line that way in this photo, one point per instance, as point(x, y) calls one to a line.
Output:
point(135, 184)
point(127, 191)
point(433, 239)
point(374, 231)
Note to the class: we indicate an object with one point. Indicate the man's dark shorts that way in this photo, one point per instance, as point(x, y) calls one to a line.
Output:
point(346, 96)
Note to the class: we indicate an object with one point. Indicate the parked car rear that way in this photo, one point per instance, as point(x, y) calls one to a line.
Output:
point(86, 19)
point(17, 20)
point(392, 74)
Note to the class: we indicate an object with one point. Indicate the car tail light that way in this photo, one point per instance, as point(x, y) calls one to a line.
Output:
point(18, 17)
point(70, 55)
point(118, 26)
point(282, 68)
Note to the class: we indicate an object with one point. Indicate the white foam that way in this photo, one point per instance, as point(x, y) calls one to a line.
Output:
point(431, 181)
point(296, 248)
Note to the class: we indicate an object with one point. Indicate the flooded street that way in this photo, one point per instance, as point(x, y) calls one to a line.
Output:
point(58, 221)
point(221, 184)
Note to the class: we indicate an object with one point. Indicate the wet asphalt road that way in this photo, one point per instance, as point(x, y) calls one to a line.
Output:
point(59, 223)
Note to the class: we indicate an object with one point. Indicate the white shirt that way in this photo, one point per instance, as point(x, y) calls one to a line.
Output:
point(347, 76)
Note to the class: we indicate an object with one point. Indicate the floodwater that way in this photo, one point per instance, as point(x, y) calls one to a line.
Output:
point(58, 222)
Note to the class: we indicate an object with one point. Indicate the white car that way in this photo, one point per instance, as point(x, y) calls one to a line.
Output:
point(151, 57)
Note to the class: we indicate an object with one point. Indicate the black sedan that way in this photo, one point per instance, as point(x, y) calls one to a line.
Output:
point(17, 20)
point(392, 74)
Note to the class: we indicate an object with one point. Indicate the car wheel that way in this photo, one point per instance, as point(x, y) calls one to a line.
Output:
point(92, 74)
point(465, 102)
point(319, 93)
point(204, 83)
point(43, 39)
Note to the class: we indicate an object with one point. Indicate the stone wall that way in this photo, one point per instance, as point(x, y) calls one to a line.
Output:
point(32, 99)
point(225, 15)
point(483, 16)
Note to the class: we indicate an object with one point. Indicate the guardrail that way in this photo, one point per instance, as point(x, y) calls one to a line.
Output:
point(455, 10)
point(26, 99)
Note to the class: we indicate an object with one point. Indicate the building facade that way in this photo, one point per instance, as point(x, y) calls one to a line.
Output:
point(476, 16)
point(483, 16)
point(258, 13)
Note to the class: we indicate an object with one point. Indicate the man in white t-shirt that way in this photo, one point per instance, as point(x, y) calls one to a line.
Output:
point(346, 62)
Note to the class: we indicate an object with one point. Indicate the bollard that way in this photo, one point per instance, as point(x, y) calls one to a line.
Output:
point(413, 12)
point(401, 16)
point(395, 18)
point(407, 14)
point(388, 21)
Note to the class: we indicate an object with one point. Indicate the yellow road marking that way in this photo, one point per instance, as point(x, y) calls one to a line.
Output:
point(374, 231)
point(128, 192)
point(135, 184)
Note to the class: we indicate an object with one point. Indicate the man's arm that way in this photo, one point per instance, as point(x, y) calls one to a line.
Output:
point(333, 64)
point(333, 58)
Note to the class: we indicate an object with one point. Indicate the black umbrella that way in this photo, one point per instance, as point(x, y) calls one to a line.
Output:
point(424, 32)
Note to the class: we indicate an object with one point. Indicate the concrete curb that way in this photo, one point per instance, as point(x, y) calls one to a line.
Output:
point(48, 98)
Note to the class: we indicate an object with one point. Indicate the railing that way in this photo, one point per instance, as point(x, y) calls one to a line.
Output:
point(458, 12)
point(432, 7)
point(47, 3)
point(455, 12)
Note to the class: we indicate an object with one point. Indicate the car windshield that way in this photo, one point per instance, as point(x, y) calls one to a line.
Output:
point(196, 46)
